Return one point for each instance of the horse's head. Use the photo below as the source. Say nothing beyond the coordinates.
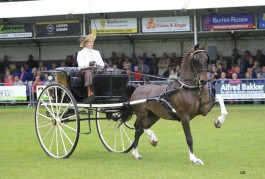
(195, 64)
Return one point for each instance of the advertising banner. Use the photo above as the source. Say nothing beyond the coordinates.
(114, 26)
(58, 28)
(228, 22)
(261, 21)
(166, 24)
(15, 30)
(13, 93)
(39, 89)
(240, 89)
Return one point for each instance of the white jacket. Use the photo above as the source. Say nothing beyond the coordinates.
(87, 55)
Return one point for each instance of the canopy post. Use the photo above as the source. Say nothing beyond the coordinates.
(195, 27)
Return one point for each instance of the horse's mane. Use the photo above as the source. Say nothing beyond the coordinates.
(188, 51)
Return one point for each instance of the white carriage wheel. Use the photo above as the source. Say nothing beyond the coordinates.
(116, 135)
(57, 121)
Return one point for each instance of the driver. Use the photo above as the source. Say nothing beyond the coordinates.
(88, 60)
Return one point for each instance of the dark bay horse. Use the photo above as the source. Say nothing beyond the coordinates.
(186, 97)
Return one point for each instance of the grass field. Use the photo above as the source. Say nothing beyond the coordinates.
(236, 150)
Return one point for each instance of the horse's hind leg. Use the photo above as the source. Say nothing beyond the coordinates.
(138, 132)
(189, 139)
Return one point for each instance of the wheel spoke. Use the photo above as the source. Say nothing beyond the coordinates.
(50, 102)
(68, 127)
(52, 140)
(47, 134)
(44, 116)
(126, 134)
(48, 124)
(45, 104)
(66, 135)
(62, 140)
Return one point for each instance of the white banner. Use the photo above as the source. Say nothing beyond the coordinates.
(114, 26)
(240, 89)
(13, 93)
(166, 24)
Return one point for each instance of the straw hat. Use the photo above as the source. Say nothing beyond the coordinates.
(87, 38)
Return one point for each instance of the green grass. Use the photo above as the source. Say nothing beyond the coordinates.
(238, 146)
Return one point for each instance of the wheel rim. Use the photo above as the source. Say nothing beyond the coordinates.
(116, 136)
(57, 126)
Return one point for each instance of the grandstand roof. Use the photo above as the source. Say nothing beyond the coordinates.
(61, 7)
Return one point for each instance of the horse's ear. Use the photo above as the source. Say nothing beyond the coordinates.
(197, 47)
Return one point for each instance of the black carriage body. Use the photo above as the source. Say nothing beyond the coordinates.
(106, 87)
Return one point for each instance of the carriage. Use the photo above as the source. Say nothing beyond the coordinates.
(61, 108)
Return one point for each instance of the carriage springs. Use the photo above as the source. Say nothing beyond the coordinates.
(243, 87)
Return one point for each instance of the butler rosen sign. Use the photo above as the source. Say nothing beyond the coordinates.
(241, 89)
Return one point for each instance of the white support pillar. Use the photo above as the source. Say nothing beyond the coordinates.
(195, 28)
(84, 25)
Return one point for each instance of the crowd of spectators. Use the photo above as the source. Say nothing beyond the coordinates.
(240, 66)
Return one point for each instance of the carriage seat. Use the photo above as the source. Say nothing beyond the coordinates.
(74, 75)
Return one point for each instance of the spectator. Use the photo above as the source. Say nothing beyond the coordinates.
(262, 71)
(238, 72)
(114, 58)
(17, 81)
(28, 68)
(9, 81)
(174, 61)
(54, 66)
(214, 74)
(134, 59)
(220, 69)
(260, 58)
(172, 74)
(62, 64)
(24, 76)
(249, 58)
(39, 73)
(13, 69)
(42, 67)
(235, 55)
(33, 74)
(137, 75)
(163, 65)
(5, 62)
(143, 69)
(234, 80)
(6, 74)
(154, 62)
(250, 73)
(223, 77)
(31, 62)
(149, 62)
(36, 83)
(256, 69)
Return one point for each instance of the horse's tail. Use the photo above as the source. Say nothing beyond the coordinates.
(127, 110)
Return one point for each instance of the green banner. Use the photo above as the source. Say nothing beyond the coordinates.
(16, 30)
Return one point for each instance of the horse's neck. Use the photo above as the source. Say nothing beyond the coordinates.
(186, 73)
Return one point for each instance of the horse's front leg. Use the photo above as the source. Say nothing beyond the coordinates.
(221, 119)
(186, 128)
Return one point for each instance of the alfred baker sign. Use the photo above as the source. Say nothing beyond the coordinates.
(240, 89)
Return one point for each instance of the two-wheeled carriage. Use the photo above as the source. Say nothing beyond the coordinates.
(61, 107)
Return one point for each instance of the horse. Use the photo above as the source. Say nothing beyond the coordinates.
(182, 100)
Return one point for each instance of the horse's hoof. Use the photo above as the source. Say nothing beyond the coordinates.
(199, 162)
(217, 123)
(153, 143)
